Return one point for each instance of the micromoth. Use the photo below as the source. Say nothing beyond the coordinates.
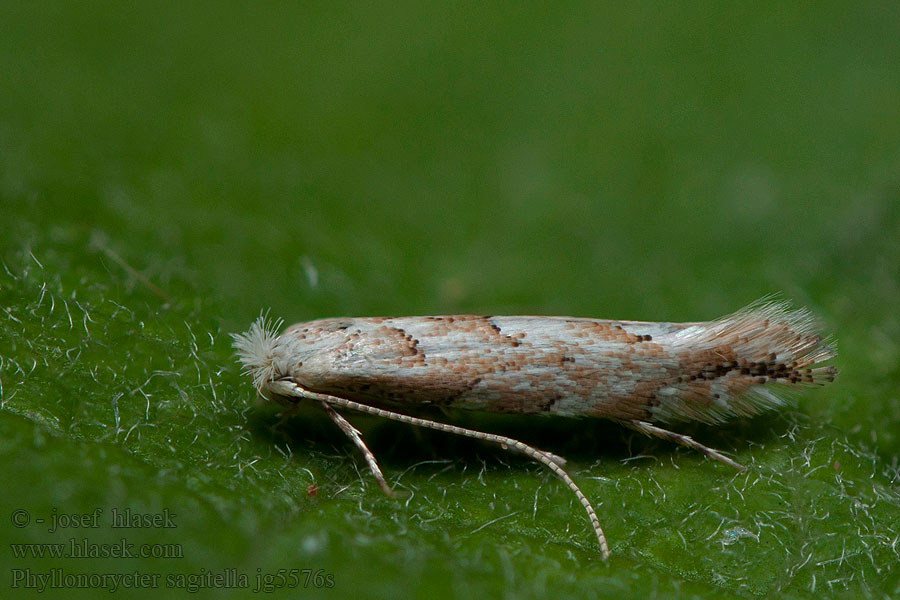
(640, 374)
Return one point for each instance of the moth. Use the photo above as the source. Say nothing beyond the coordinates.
(644, 375)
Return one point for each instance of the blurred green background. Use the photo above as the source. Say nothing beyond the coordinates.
(167, 170)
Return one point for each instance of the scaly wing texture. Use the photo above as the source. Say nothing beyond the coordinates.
(626, 370)
(744, 363)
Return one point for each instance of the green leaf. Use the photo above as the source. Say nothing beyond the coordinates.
(166, 173)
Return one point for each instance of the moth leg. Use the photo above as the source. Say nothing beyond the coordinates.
(354, 434)
(287, 387)
(685, 440)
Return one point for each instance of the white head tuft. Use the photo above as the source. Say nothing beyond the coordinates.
(256, 349)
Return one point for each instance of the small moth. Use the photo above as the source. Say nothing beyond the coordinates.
(640, 374)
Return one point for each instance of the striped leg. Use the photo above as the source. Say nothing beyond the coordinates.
(685, 440)
(353, 433)
(288, 388)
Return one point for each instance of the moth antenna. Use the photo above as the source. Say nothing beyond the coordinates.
(550, 461)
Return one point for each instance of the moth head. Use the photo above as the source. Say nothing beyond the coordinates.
(257, 349)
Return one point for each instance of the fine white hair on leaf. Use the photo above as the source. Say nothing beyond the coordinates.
(256, 349)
